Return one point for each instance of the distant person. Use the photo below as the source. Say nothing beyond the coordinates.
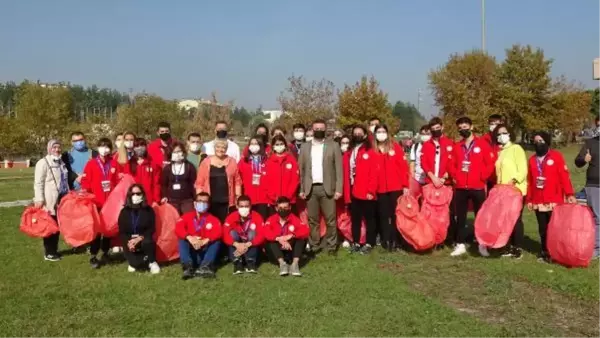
(221, 130)
(160, 148)
(177, 180)
(76, 159)
(136, 231)
(194, 146)
(50, 185)
(253, 173)
(299, 131)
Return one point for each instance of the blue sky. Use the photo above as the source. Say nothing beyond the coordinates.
(245, 50)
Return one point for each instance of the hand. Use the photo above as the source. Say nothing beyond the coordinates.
(164, 200)
(530, 206)
(285, 245)
(437, 182)
(588, 157)
(405, 191)
(38, 205)
(572, 200)
(369, 197)
(78, 179)
(154, 204)
(337, 196)
(121, 175)
(195, 242)
(203, 242)
(302, 195)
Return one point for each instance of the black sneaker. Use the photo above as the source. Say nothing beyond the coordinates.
(517, 253)
(52, 258)
(251, 267)
(366, 249)
(188, 273)
(205, 272)
(543, 258)
(238, 267)
(355, 248)
(94, 263)
(105, 259)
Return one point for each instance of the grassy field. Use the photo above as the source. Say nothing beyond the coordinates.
(382, 294)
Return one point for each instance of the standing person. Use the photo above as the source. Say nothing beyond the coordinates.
(177, 181)
(282, 173)
(100, 178)
(321, 184)
(511, 168)
(392, 183)
(493, 121)
(471, 165)
(309, 135)
(144, 172)
(76, 159)
(416, 170)
(337, 136)
(50, 184)
(136, 231)
(262, 133)
(160, 148)
(286, 238)
(548, 184)
(233, 150)
(435, 154)
(243, 234)
(218, 175)
(124, 152)
(344, 144)
(299, 131)
(118, 142)
(278, 130)
(589, 154)
(360, 188)
(373, 122)
(194, 146)
(199, 234)
(253, 175)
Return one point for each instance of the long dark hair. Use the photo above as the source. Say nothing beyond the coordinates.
(495, 133)
(366, 144)
(139, 142)
(387, 144)
(261, 152)
(129, 204)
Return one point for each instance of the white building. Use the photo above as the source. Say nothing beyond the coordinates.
(272, 115)
(188, 104)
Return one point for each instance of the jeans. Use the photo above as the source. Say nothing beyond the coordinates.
(593, 201)
(206, 256)
(250, 255)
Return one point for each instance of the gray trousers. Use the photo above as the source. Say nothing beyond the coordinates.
(319, 203)
(593, 201)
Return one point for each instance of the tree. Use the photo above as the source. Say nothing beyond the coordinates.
(570, 104)
(595, 102)
(364, 100)
(304, 102)
(408, 115)
(204, 120)
(242, 115)
(148, 110)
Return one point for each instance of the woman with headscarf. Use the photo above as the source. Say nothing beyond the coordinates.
(50, 184)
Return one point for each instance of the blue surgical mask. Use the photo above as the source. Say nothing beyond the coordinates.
(201, 207)
(79, 145)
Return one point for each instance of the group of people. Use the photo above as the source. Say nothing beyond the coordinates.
(239, 202)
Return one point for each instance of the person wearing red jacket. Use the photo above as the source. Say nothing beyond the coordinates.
(100, 177)
(243, 234)
(471, 165)
(392, 183)
(262, 133)
(144, 172)
(124, 151)
(286, 236)
(548, 185)
(199, 235)
(252, 168)
(360, 168)
(436, 155)
(159, 149)
(493, 121)
(283, 176)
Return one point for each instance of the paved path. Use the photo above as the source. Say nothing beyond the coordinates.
(20, 203)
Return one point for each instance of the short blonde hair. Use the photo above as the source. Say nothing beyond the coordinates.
(223, 143)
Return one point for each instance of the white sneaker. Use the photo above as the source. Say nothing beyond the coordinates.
(483, 251)
(346, 244)
(116, 249)
(154, 268)
(459, 249)
(307, 247)
(130, 269)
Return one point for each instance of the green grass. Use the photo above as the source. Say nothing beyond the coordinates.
(380, 295)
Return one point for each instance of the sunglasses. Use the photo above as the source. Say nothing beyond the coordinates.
(136, 194)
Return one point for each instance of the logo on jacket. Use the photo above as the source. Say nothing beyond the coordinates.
(366, 156)
(291, 228)
(477, 150)
(208, 226)
(550, 162)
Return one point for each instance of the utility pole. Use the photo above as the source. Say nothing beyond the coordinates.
(419, 100)
(483, 25)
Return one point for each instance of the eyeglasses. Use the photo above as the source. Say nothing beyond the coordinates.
(136, 194)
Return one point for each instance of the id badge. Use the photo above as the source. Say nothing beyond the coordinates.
(465, 166)
(176, 186)
(135, 236)
(540, 182)
(105, 186)
(255, 179)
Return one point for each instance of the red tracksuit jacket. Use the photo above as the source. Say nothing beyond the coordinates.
(148, 175)
(496, 149)
(293, 226)
(203, 226)
(233, 222)
(428, 154)
(159, 154)
(365, 175)
(246, 151)
(471, 167)
(96, 172)
(283, 177)
(557, 183)
(256, 192)
(393, 172)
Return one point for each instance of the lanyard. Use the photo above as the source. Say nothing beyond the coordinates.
(177, 173)
(540, 165)
(468, 150)
(246, 225)
(256, 161)
(104, 167)
(135, 221)
(199, 225)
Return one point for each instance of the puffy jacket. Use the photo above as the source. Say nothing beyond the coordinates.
(428, 155)
(257, 193)
(557, 184)
(292, 226)
(393, 172)
(96, 172)
(475, 174)
(233, 223)
(365, 174)
(148, 175)
(203, 226)
(283, 177)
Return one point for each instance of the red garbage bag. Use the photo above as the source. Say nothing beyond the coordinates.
(344, 224)
(436, 209)
(167, 246)
(415, 188)
(303, 214)
(571, 235)
(78, 218)
(37, 222)
(112, 208)
(412, 225)
(496, 219)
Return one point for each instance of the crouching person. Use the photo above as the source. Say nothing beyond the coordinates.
(243, 235)
(136, 231)
(286, 238)
(199, 235)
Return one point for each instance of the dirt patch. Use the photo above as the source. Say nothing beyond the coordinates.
(515, 303)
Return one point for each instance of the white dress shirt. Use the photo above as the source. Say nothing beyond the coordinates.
(316, 155)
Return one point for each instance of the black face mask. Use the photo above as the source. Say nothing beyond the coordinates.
(337, 139)
(358, 139)
(464, 133)
(165, 137)
(541, 149)
(319, 134)
(221, 134)
(284, 213)
(436, 133)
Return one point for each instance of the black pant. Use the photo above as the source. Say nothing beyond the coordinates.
(516, 238)
(136, 258)
(183, 206)
(263, 209)
(363, 210)
(51, 244)
(386, 207)
(461, 198)
(543, 219)
(219, 210)
(275, 253)
(100, 242)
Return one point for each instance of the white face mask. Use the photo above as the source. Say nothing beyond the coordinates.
(103, 151)
(254, 148)
(177, 157)
(372, 129)
(279, 149)
(136, 199)
(381, 137)
(344, 147)
(128, 144)
(118, 144)
(298, 135)
(503, 138)
(492, 127)
(309, 138)
(425, 138)
(194, 147)
(244, 211)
